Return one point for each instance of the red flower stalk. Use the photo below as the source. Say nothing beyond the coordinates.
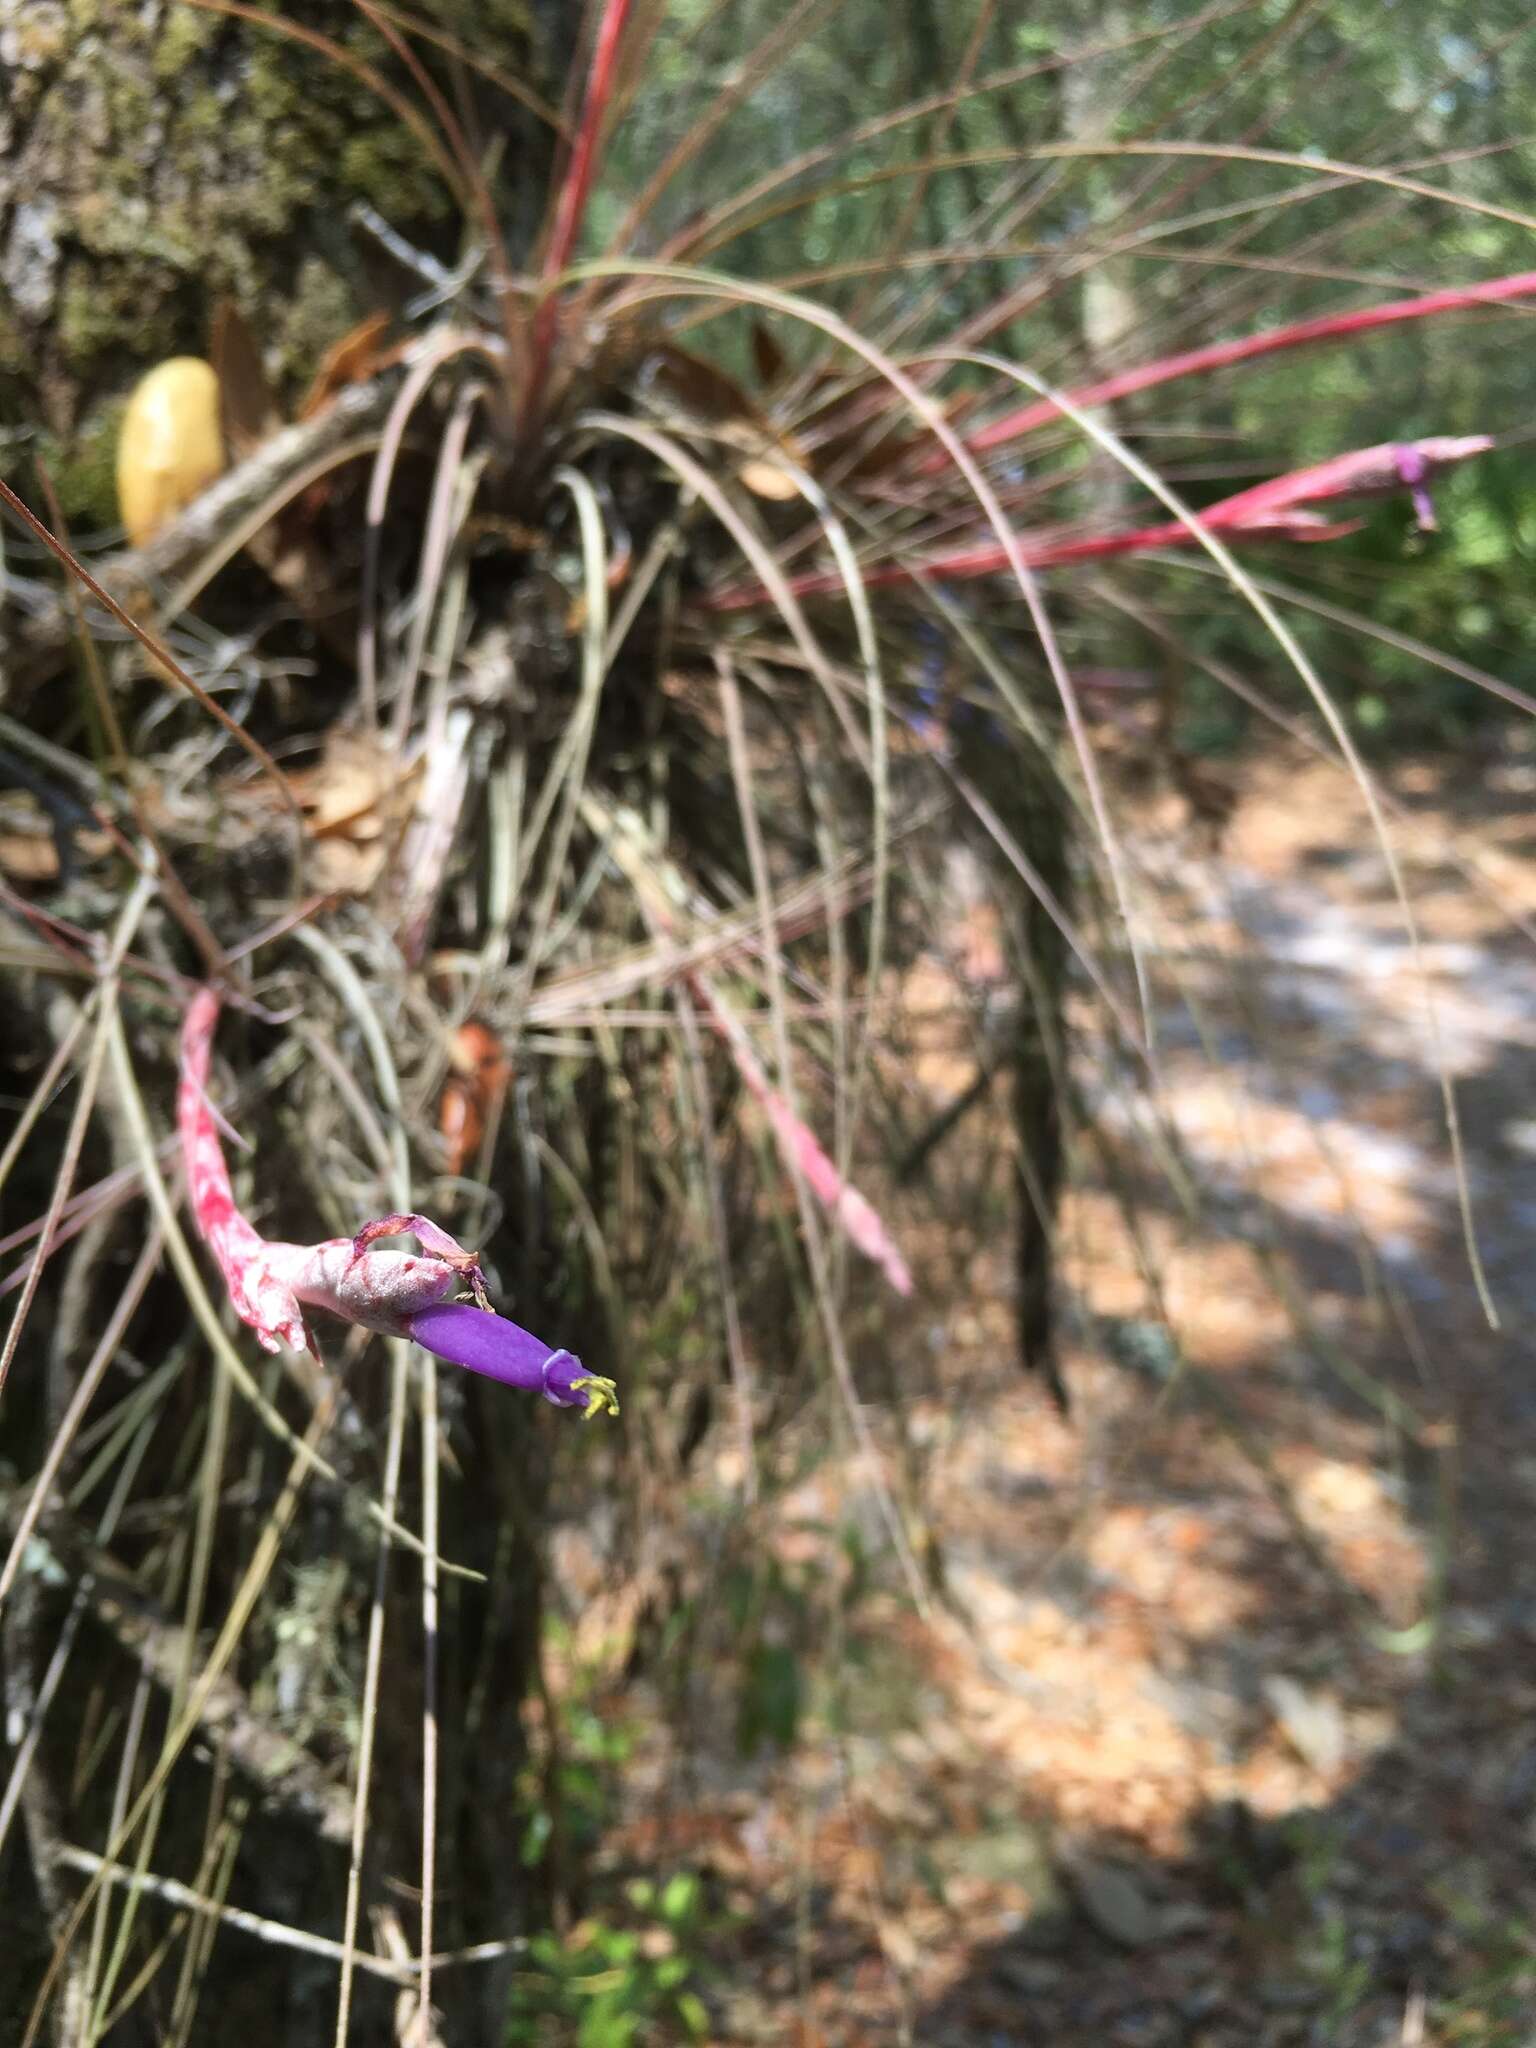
(1220, 355)
(398, 1294)
(1364, 473)
(800, 1147)
(1272, 511)
(572, 203)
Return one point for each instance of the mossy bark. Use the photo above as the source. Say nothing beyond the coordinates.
(155, 157)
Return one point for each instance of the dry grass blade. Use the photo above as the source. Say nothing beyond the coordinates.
(85, 1102)
(560, 796)
(741, 1369)
(354, 994)
(80, 1400)
(353, 1958)
(263, 1558)
(831, 1321)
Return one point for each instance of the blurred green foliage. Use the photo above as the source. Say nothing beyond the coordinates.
(613, 1982)
(1204, 248)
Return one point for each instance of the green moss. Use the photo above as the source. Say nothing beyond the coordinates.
(193, 156)
(98, 308)
(386, 166)
(84, 472)
(303, 326)
(14, 353)
(183, 38)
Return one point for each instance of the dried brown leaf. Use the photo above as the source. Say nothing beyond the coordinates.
(247, 408)
(359, 355)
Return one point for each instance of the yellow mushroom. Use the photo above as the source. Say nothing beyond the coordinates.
(170, 446)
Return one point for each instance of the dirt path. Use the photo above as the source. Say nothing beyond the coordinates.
(1226, 1734)
(1297, 1754)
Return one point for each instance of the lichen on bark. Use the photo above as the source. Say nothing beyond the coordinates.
(155, 156)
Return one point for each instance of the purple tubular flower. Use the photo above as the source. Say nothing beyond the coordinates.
(501, 1350)
(1414, 471)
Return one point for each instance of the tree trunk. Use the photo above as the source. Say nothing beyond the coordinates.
(155, 158)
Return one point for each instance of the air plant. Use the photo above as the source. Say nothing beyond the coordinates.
(397, 1294)
(686, 539)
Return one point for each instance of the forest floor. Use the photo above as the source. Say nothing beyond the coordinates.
(1223, 1727)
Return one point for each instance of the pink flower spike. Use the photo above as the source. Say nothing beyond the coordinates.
(1267, 511)
(271, 1283)
(798, 1144)
(261, 1297)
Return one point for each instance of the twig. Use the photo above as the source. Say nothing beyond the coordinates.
(274, 1931)
(277, 1932)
